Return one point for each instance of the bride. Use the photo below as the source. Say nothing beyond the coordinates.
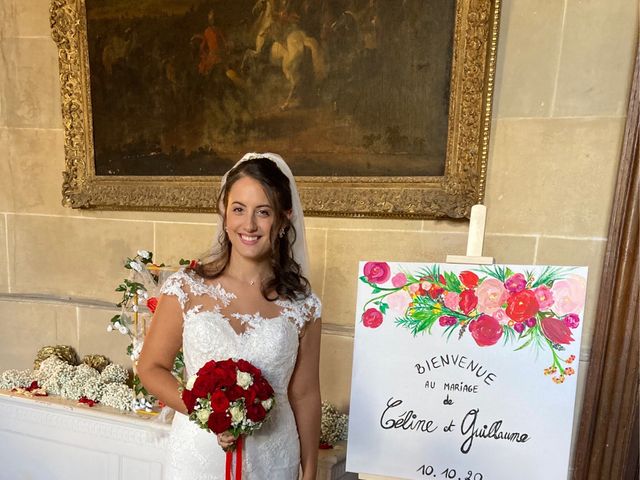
(249, 299)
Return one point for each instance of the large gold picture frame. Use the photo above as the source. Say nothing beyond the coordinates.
(451, 194)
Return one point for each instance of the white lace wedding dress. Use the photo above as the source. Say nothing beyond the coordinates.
(271, 344)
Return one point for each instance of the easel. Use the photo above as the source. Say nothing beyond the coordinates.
(475, 243)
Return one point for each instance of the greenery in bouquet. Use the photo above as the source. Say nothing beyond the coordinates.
(490, 303)
(140, 292)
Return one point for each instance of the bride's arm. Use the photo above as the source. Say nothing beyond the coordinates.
(304, 395)
(161, 345)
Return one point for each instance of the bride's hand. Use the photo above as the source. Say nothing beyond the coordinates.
(226, 440)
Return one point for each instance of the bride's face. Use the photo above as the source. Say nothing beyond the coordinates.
(249, 218)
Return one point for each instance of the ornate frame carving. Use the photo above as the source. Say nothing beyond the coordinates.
(450, 195)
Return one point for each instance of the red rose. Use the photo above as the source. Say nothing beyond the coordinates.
(204, 384)
(225, 377)
(189, 399)
(522, 305)
(250, 395)
(485, 330)
(556, 331)
(263, 389)
(377, 272)
(234, 392)
(245, 366)
(372, 318)
(468, 301)
(468, 279)
(256, 413)
(207, 367)
(219, 401)
(219, 422)
(193, 264)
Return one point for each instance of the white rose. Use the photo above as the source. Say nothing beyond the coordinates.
(244, 379)
(136, 266)
(203, 415)
(237, 414)
(191, 382)
(144, 254)
(267, 404)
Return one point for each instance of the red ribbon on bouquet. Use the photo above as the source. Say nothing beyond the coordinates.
(238, 451)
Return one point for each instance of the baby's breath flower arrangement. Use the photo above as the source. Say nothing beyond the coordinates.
(140, 292)
(11, 379)
(333, 427)
(118, 396)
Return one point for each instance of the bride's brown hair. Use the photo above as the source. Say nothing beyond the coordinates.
(287, 281)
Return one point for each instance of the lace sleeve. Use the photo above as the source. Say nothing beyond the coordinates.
(175, 285)
(304, 310)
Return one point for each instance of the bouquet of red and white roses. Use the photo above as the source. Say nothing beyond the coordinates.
(229, 395)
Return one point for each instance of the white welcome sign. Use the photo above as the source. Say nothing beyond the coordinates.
(465, 372)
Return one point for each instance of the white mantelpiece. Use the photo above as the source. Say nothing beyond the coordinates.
(49, 438)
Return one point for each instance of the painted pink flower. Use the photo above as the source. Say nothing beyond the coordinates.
(468, 301)
(399, 280)
(399, 301)
(572, 320)
(491, 295)
(372, 318)
(519, 327)
(516, 283)
(485, 330)
(377, 272)
(451, 300)
(447, 320)
(501, 316)
(544, 296)
(556, 331)
(413, 288)
(569, 295)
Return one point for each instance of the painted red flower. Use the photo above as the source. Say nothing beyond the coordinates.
(522, 305)
(372, 318)
(152, 304)
(377, 272)
(556, 331)
(219, 422)
(435, 291)
(468, 301)
(219, 401)
(485, 330)
(468, 279)
(193, 264)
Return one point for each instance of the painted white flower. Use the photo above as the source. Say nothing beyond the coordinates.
(144, 254)
(191, 382)
(267, 404)
(109, 328)
(237, 414)
(203, 415)
(244, 379)
(135, 308)
(136, 266)
(123, 330)
(142, 293)
(116, 324)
